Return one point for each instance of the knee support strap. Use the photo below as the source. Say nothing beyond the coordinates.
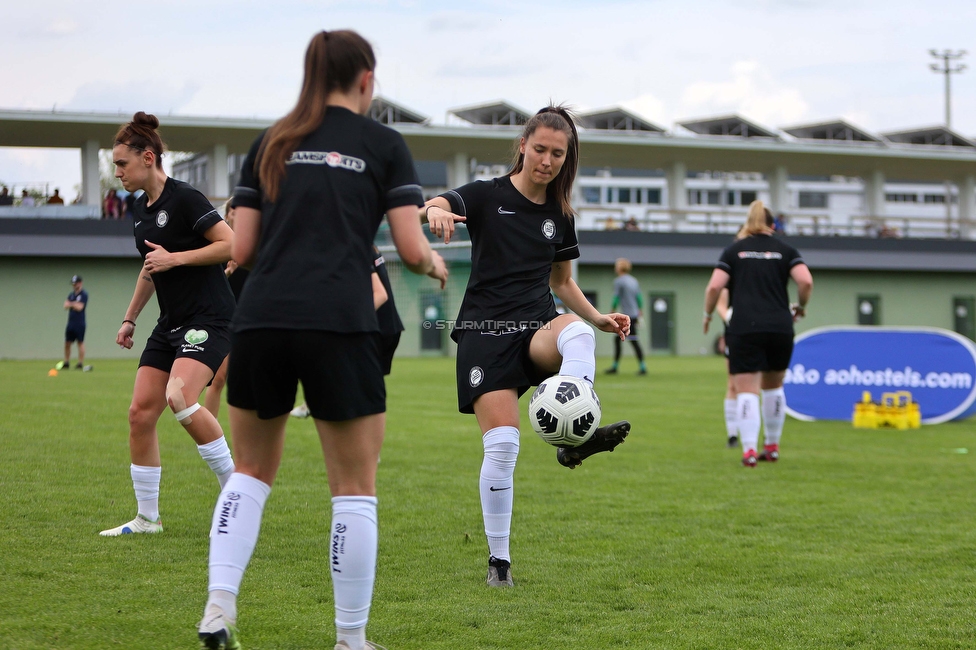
(183, 417)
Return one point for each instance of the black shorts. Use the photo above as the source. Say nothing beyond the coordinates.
(387, 348)
(207, 343)
(759, 351)
(633, 336)
(74, 333)
(490, 361)
(341, 374)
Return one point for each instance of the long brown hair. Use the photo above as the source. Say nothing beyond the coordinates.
(557, 118)
(141, 134)
(333, 61)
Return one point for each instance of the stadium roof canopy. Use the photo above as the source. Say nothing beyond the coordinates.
(72, 130)
(389, 112)
(934, 135)
(728, 125)
(834, 131)
(499, 113)
(600, 148)
(618, 119)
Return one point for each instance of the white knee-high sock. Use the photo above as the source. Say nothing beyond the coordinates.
(577, 344)
(773, 414)
(731, 426)
(352, 552)
(497, 486)
(749, 420)
(233, 535)
(217, 456)
(145, 482)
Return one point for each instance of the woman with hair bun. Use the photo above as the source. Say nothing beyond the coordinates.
(184, 243)
(508, 332)
(312, 193)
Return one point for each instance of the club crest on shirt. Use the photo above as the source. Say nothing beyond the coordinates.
(476, 376)
(549, 228)
(162, 218)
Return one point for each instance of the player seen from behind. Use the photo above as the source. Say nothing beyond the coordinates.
(508, 332)
(757, 269)
(312, 193)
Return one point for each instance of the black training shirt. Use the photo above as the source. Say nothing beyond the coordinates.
(315, 252)
(389, 319)
(514, 243)
(759, 268)
(177, 221)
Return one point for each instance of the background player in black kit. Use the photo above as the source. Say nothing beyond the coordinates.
(756, 269)
(508, 332)
(236, 277)
(386, 313)
(312, 193)
(183, 242)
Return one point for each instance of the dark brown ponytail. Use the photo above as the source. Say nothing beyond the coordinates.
(141, 134)
(333, 61)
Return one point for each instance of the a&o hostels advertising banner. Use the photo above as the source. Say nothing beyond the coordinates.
(832, 366)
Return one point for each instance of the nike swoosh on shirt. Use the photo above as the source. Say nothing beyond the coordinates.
(137, 223)
(501, 210)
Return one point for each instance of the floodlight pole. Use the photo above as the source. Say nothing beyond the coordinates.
(947, 69)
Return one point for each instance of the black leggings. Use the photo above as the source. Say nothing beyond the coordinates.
(637, 349)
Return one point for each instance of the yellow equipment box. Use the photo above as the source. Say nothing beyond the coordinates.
(894, 411)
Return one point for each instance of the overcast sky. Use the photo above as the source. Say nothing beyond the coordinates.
(778, 62)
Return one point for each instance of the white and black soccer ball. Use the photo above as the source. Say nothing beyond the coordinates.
(565, 411)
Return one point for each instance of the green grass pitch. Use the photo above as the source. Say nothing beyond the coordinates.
(855, 539)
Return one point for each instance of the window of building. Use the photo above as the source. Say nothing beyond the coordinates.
(623, 195)
(746, 197)
(591, 194)
(901, 198)
(654, 196)
(934, 198)
(714, 197)
(813, 199)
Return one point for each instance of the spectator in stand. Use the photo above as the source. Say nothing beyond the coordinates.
(611, 224)
(127, 203)
(632, 225)
(5, 198)
(779, 224)
(26, 199)
(111, 206)
(887, 233)
(55, 199)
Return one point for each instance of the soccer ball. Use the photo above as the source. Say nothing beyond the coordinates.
(564, 411)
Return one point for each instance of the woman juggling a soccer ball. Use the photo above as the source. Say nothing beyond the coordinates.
(508, 332)
(184, 243)
(312, 193)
